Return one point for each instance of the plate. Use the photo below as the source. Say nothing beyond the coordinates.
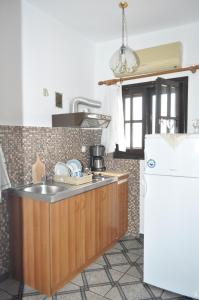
(76, 164)
(75, 167)
(61, 169)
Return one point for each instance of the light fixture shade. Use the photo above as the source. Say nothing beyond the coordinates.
(124, 62)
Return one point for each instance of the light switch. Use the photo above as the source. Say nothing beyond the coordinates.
(83, 149)
(58, 100)
(45, 92)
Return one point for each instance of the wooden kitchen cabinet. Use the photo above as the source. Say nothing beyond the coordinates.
(82, 228)
(122, 203)
(30, 242)
(58, 240)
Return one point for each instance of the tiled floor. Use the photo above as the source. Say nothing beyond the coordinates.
(117, 275)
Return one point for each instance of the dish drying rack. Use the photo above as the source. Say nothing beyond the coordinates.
(73, 180)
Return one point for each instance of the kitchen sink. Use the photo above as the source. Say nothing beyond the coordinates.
(99, 178)
(52, 191)
(44, 189)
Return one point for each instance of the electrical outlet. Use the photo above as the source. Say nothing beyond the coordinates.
(83, 149)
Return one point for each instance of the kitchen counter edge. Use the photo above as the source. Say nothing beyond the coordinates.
(69, 192)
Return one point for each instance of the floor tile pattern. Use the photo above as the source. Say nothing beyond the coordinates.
(117, 275)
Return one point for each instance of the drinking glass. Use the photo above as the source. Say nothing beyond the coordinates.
(195, 124)
(171, 125)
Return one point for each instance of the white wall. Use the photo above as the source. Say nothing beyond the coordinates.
(186, 34)
(37, 52)
(10, 63)
(53, 58)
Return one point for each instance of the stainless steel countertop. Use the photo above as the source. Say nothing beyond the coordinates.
(69, 190)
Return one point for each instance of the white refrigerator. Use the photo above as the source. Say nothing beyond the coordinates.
(171, 213)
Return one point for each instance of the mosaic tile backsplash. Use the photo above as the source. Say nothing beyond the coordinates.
(20, 145)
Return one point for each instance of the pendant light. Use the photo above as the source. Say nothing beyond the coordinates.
(124, 61)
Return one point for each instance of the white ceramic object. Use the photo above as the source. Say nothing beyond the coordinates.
(195, 124)
(75, 167)
(61, 169)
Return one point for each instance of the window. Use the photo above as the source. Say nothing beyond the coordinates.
(153, 107)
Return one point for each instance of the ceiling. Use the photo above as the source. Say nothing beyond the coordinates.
(100, 20)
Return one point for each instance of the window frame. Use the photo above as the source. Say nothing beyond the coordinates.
(131, 121)
(147, 89)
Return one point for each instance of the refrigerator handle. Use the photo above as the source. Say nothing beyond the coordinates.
(145, 186)
(145, 159)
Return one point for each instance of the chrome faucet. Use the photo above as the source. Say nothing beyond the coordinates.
(43, 179)
(46, 179)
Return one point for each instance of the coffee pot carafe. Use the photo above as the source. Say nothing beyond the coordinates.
(96, 158)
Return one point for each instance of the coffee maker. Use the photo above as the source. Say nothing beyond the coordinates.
(96, 158)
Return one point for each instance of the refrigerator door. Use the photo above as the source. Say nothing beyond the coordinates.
(187, 156)
(171, 243)
(175, 155)
(159, 156)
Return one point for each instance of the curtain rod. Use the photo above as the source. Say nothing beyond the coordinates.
(193, 69)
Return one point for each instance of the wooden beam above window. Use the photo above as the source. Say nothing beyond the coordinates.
(192, 69)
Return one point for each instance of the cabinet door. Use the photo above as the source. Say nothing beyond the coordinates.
(65, 233)
(105, 216)
(81, 228)
(90, 225)
(122, 206)
(35, 241)
(72, 236)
